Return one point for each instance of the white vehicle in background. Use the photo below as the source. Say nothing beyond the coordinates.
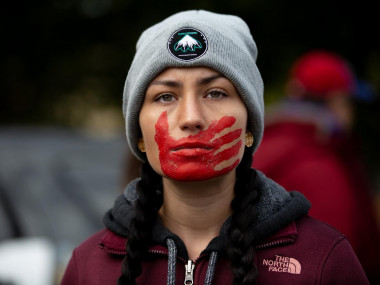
(27, 261)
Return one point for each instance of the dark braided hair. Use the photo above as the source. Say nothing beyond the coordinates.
(146, 208)
(240, 250)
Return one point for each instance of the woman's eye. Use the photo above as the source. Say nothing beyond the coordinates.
(165, 98)
(215, 94)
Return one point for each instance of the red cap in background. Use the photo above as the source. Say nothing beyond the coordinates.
(321, 74)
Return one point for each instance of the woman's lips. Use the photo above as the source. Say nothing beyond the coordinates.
(191, 149)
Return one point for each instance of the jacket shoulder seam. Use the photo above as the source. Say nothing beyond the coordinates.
(328, 253)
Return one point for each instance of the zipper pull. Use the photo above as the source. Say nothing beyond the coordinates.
(189, 273)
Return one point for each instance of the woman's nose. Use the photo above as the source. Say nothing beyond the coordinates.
(191, 115)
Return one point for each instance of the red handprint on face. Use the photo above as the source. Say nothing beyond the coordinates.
(196, 157)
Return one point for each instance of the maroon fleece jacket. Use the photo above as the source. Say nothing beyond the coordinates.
(304, 252)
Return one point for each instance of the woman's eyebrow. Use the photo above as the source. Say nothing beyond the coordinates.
(207, 80)
(168, 83)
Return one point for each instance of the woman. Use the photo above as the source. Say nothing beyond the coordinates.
(193, 103)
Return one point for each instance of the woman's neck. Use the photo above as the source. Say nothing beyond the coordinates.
(196, 211)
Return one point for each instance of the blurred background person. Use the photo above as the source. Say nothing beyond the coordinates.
(309, 146)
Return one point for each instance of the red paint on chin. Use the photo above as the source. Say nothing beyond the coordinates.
(193, 158)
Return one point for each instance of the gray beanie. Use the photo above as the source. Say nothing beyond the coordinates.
(195, 38)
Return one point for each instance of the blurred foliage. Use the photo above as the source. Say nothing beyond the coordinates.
(64, 58)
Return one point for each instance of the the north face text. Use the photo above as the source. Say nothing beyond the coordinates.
(283, 264)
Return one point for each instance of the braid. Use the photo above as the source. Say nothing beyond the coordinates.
(241, 249)
(146, 208)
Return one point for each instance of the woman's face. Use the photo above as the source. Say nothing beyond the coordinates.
(193, 122)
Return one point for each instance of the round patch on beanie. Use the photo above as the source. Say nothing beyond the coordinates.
(187, 44)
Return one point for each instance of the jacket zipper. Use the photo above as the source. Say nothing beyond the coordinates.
(157, 251)
(189, 268)
(110, 251)
(189, 273)
(275, 243)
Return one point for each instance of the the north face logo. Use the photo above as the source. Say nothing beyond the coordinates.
(187, 44)
(283, 264)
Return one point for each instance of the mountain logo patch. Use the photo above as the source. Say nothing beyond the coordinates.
(187, 44)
